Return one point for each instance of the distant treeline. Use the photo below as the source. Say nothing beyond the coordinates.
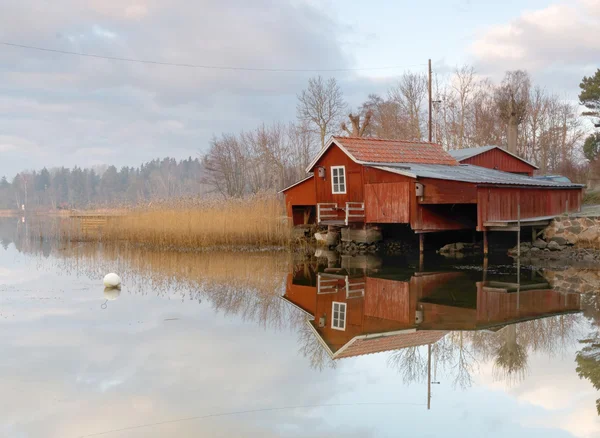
(105, 185)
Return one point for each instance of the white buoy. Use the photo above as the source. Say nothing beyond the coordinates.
(112, 280)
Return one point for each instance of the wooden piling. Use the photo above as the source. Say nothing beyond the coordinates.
(485, 243)
(421, 243)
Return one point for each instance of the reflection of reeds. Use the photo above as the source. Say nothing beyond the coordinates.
(257, 221)
(248, 284)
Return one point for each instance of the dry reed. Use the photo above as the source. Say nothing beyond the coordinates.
(257, 221)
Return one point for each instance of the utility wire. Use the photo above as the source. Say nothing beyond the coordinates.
(202, 66)
(224, 414)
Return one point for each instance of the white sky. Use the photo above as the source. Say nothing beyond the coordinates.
(63, 110)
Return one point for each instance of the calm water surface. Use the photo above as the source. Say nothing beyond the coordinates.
(265, 345)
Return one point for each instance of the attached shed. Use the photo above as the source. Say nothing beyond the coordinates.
(301, 201)
(494, 157)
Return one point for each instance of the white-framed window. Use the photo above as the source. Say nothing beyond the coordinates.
(338, 316)
(338, 179)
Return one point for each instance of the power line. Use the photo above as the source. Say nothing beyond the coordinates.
(203, 66)
(224, 414)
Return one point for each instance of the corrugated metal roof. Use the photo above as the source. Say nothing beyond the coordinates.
(464, 154)
(471, 174)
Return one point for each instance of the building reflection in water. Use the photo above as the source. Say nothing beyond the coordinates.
(361, 307)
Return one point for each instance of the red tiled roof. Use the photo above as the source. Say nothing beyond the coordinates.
(375, 150)
(395, 342)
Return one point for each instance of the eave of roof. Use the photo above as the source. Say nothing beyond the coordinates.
(465, 154)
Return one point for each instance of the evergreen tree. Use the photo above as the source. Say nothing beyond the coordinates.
(590, 96)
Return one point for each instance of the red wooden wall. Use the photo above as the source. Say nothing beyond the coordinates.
(498, 306)
(301, 194)
(500, 160)
(388, 299)
(354, 179)
(500, 204)
(388, 202)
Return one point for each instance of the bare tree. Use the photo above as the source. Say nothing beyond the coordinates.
(512, 99)
(410, 95)
(226, 165)
(321, 106)
(358, 128)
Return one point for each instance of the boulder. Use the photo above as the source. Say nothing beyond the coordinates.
(554, 246)
(540, 244)
(590, 235)
(559, 239)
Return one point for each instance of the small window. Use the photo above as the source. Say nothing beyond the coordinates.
(338, 319)
(338, 179)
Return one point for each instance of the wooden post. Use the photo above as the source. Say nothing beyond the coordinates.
(518, 231)
(485, 268)
(421, 243)
(485, 243)
(428, 376)
(430, 124)
(533, 234)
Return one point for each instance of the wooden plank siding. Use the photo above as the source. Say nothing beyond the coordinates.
(500, 203)
(500, 160)
(498, 306)
(302, 194)
(388, 299)
(388, 202)
(437, 191)
(354, 178)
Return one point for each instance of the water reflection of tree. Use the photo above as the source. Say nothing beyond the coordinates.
(588, 358)
(411, 363)
(311, 348)
(458, 354)
(588, 362)
(511, 357)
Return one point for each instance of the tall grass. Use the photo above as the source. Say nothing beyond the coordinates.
(257, 221)
(591, 197)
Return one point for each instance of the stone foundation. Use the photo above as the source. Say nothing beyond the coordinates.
(573, 280)
(583, 232)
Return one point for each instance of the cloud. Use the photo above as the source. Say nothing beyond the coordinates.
(67, 103)
(553, 42)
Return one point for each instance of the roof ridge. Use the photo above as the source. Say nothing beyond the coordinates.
(386, 139)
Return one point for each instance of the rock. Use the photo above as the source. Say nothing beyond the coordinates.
(559, 239)
(571, 238)
(589, 258)
(540, 244)
(459, 246)
(575, 229)
(554, 246)
(447, 248)
(534, 249)
(525, 245)
(590, 235)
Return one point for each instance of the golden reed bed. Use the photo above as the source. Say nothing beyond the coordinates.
(258, 221)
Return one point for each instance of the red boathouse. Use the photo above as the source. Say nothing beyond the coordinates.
(358, 181)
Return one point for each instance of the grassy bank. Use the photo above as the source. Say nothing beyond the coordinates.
(591, 198)
(258, 221)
